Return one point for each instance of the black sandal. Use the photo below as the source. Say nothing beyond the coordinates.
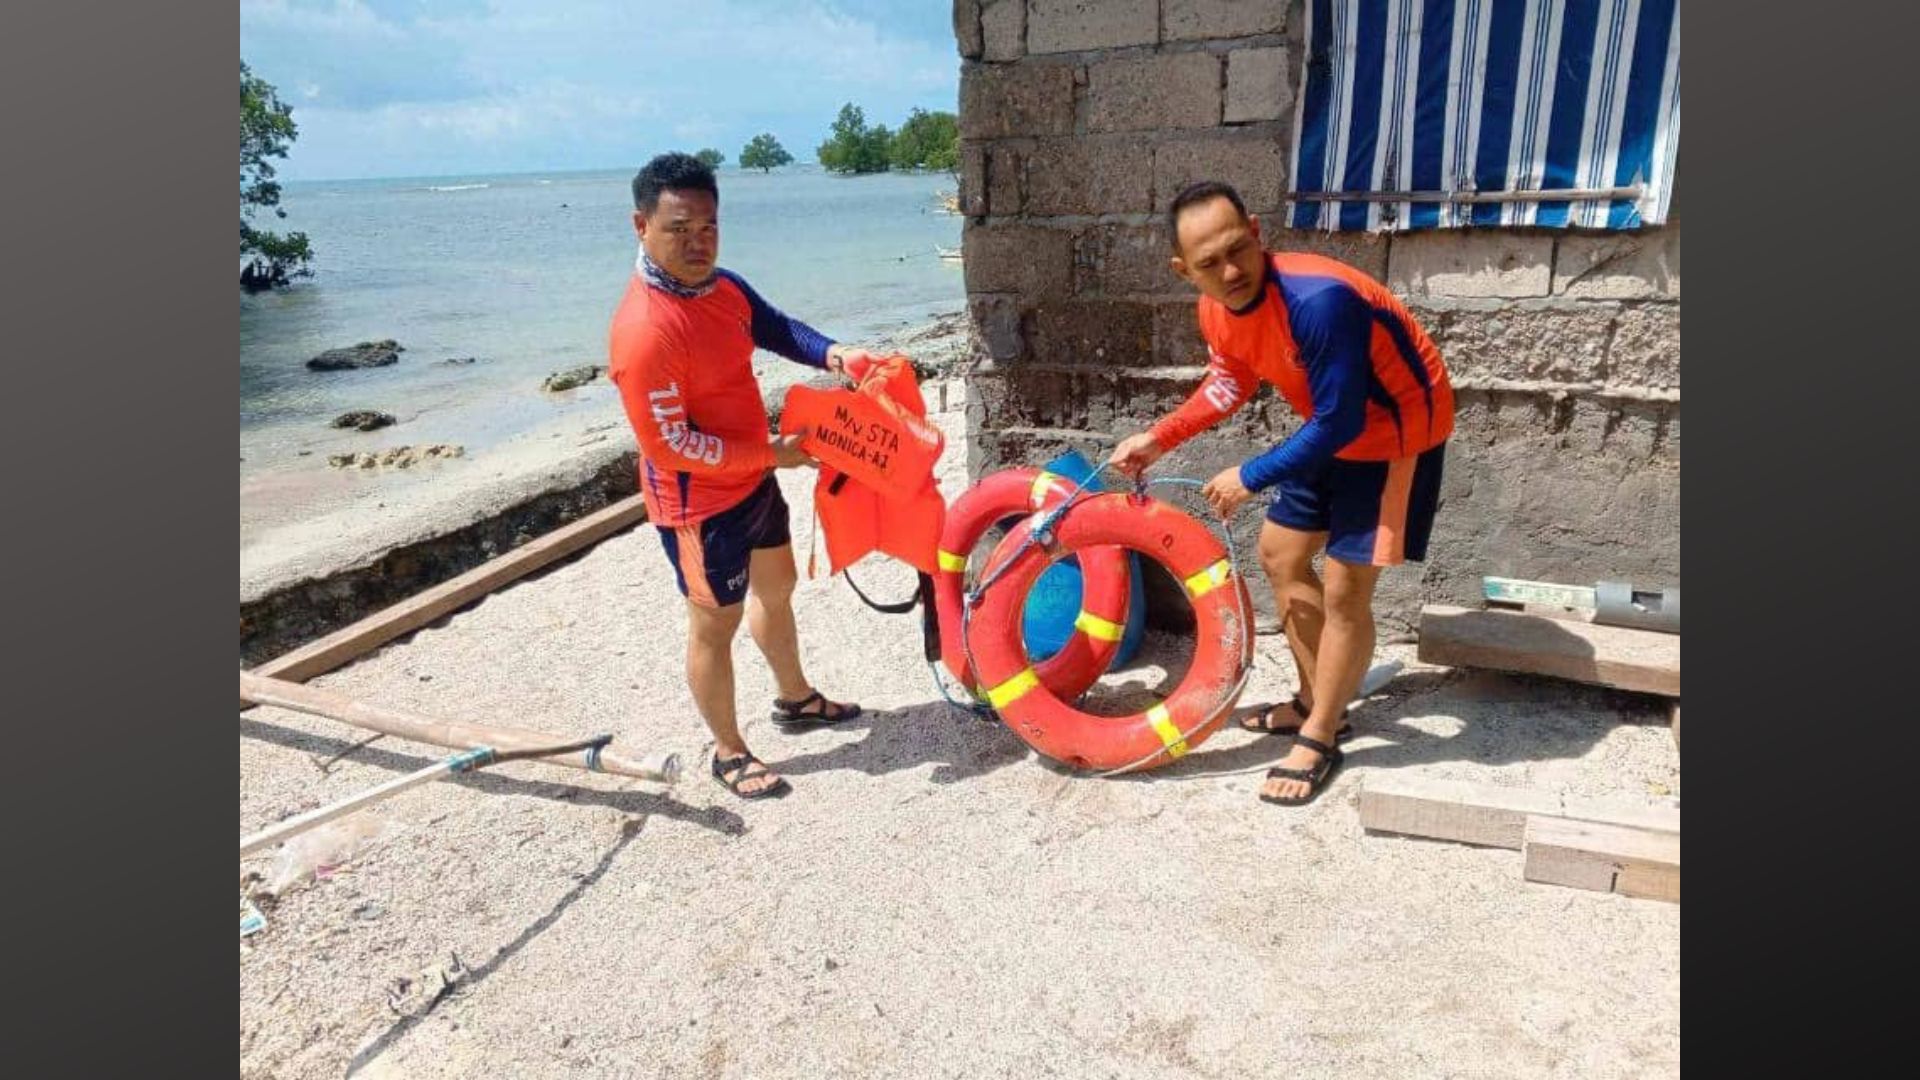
(742, 765)
(792, 715)
(1316, 777)
(1261, 727)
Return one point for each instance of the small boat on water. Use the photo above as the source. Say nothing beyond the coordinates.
(947, 254)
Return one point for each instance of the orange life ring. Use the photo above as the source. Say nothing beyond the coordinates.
(1104, 576)
(1223, 649)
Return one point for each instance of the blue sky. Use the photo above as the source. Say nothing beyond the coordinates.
(444, 87)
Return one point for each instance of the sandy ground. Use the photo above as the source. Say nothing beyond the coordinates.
(933, 899)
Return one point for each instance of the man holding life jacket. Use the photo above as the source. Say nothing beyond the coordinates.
(1359, 480)
(681, 353)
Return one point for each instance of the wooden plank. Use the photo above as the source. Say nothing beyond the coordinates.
(1457, 810)
(1604, 858)
(336, 649)
(456, 734)
(1648, 817)
(1615, 656)
(1546, 611)
(1489, 815)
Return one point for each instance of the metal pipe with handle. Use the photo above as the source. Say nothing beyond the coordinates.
(465, 761)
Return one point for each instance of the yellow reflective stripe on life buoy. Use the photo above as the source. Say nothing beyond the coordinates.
(952, 563)
(1209, 579)
(1038, 494)
(1013, 689)
(1096, 627)
(1163, 726)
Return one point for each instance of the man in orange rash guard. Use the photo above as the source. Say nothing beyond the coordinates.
(1360, 479)
(680, 352)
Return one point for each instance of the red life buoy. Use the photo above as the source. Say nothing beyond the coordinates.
(1223, 640)
(1103, 575)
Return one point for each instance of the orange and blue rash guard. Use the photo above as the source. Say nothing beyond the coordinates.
(1342, 350)
(682, 359)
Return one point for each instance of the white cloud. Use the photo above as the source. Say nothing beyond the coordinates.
(550, 108)
(337, 18)
(543, 84)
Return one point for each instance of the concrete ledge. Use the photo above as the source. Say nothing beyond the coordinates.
(280, 615)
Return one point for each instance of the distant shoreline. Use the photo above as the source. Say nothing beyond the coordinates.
(731, 168)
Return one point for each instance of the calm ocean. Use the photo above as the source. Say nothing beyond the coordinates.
(523, 272)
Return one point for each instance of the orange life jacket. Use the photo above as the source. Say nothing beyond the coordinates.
(877, 452)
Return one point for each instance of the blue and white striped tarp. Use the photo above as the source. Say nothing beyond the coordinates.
(1483, 96)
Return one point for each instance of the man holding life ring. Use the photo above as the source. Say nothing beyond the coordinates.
(1359, 480)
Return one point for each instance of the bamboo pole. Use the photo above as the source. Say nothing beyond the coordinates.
(259, 690)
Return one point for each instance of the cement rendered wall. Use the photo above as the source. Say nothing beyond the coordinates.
(1079, 121)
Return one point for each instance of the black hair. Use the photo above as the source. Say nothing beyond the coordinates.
(1194, 194)
(680, 172)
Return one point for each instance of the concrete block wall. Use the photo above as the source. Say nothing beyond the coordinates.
(1081, 119)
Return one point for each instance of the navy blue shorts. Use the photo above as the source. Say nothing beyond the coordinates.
(1375, 513)
(710, 557)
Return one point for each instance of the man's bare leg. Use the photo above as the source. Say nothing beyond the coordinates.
(771, 579)
(710, 633)
(1287, 557)
(1346, 647)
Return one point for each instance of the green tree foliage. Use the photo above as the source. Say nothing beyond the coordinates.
(764, 152)
(928, 140)
(875, 148)
(266, 131)
(711, 158)
(854, 147)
